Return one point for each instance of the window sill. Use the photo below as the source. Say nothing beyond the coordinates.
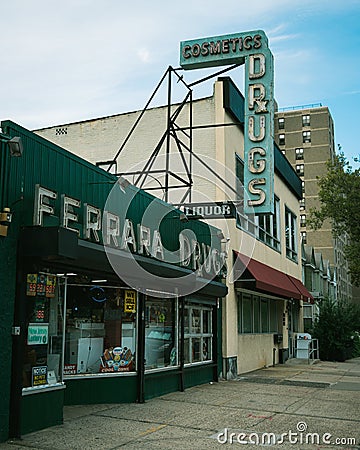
(41, 389)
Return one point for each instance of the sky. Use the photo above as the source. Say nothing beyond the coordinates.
(75, 60)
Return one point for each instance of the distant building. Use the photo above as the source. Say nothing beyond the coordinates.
(305, 134)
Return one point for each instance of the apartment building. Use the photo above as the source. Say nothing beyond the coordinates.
(305, 135)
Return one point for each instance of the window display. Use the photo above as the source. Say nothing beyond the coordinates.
(44, 331)
(100, 330)
(160, 331)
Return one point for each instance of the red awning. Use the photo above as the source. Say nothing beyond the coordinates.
(306, 296)
(268, 279)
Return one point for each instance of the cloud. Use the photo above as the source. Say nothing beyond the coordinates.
(144, 55)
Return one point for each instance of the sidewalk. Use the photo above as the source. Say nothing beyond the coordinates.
(322, 399)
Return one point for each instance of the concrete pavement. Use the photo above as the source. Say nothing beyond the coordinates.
(291, 406)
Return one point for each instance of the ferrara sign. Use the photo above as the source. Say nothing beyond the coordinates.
(250, 48)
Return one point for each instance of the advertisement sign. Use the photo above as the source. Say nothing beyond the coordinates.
(252, 49)
(31, 280)
(38, 334)
(39, 376)
(70, 369)
(130, 301)
(211, 210)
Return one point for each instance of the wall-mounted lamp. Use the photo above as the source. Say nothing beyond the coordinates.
(16, 147)
(5, 220)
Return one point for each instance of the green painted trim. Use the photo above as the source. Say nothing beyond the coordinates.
(89, 391)
(161, 383)
(196, 375)
(41, 410)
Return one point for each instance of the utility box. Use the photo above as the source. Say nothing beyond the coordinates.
(303, 341)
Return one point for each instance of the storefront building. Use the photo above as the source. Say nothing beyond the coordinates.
(263, 310)
(116, 299)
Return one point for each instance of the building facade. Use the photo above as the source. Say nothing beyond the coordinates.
(263, 308)
(98, 306)
(305, 134)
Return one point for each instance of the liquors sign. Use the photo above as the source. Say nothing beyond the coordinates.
(252, 49)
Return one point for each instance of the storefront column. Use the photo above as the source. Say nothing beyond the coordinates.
(17, 357)
(182, 342)
(215, 328)
(141, 349)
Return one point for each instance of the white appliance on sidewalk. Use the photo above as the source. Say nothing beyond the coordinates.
(303, 341)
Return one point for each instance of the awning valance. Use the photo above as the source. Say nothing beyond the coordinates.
(267, 279)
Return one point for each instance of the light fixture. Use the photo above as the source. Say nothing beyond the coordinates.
(16, 147)
(99, 281)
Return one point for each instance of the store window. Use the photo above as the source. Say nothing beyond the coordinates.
(161, 345)
(100, 329)
(44, 331)
(197, 334)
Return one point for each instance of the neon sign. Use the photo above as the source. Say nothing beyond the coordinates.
(252, 49)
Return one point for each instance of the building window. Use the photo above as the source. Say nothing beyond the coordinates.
(283, 152)
(290, 235)
(303, 237)
(302, 204)
(302, 220)
(269, 227)
(299, 153)
(198, 334)
(257, 314)
(244, 222)
(281, 139)
(300, 169)
(281, 123)
(306, 120)
(306, 137)
(303, 186)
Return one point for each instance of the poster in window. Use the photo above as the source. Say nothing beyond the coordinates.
(38, 334)
(130, 301)
(50, 286)
(41, 284)
(31, 281)
(39, 376)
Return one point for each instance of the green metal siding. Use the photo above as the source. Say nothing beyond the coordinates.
(101, 390)
(42, 410)
(7, 283)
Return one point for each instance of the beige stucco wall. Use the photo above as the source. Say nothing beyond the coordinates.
(256, 351)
